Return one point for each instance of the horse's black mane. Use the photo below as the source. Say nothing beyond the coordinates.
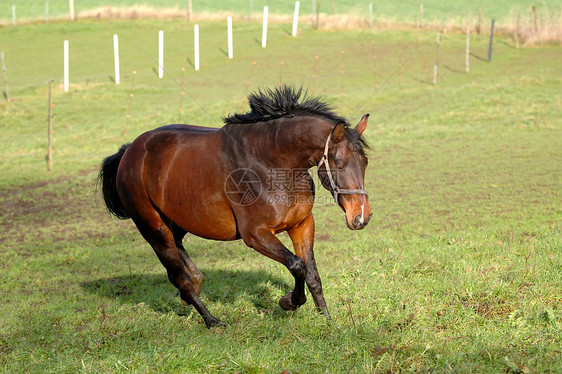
(269, 104)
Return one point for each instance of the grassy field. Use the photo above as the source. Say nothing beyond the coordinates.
(404, 11)
(460, 269)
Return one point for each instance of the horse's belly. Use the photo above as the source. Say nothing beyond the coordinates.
(217, 228)
(210, 219)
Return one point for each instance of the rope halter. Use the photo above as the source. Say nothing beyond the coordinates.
(336, 191)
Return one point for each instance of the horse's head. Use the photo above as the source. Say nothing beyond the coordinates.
(342, 172)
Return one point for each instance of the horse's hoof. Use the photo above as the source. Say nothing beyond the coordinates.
(286, 302)
(215, 322)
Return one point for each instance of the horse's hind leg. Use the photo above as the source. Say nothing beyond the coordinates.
(181, 271)
(192, 270)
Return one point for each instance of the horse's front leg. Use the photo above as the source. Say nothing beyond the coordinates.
(265, 242)
(302, 236)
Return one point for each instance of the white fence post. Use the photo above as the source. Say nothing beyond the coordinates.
(196, 45)
(230, 47)
(161, 54)
(264, 30)
(296, 18)
(66, 66)
(71, 8)
(116, 54)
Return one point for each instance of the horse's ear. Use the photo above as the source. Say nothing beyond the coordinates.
(338, 132)
(362, 125)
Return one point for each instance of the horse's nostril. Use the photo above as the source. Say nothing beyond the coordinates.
(357, 221)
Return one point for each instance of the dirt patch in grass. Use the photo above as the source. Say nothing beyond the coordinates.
(486, 305)
(58, 210)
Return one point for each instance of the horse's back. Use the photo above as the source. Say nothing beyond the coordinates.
(195, 142)
(187, 128)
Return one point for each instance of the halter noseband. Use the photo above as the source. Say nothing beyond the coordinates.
(335, 189)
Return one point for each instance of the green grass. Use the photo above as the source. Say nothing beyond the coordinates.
(404, 11)
(458, 271)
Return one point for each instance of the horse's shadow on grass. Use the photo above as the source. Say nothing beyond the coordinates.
(222, 286)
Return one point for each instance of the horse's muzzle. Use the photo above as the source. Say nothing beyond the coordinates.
(359, 222)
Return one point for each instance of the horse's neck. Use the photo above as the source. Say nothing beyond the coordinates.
(289, 142)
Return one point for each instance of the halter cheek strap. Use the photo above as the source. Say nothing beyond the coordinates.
(336, 191)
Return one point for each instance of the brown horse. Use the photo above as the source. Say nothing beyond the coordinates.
(248, 180)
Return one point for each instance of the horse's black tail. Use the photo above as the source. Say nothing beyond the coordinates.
(107, 181)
